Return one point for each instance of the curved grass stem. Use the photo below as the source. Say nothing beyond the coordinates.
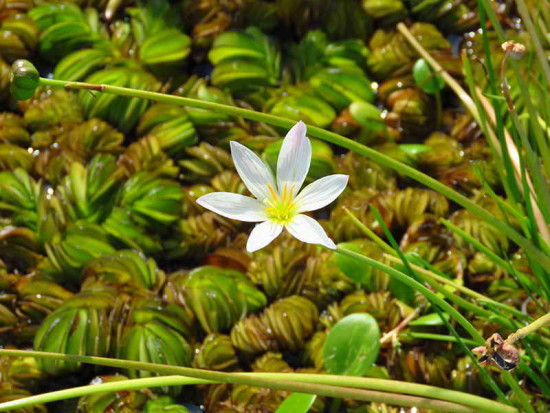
(359, 388)
(319, 133)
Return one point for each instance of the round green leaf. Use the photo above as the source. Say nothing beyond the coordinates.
(367, 115)
(432, 319)
(352, 345)
(429, 81)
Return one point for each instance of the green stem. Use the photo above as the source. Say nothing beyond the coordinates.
(296, 381)
(323, 390)
(321, 134)
(531, 328)
(418, 287)
(135, 384)
(438, 337)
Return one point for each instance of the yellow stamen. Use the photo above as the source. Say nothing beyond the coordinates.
(281, 208)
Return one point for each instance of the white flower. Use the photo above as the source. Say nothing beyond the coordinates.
(278, 204)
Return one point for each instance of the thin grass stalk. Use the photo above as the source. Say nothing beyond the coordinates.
(320, 133)
(266, 379)
(319, 389)
(511, 149)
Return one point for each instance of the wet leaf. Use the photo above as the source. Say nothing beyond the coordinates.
(352, 345)
(429, 81)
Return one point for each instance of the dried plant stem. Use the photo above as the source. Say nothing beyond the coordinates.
(391, 335)
(531, 328)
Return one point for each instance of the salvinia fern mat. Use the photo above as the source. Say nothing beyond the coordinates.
(264, 237)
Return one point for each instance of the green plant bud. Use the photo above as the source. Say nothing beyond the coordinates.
(8, 319)
(164, 404)
(359, 201)
(124, 268)
(271, 362)
(313, 351)
(485, 233)
(39, 297)
(216, 353)
(199, 234)
(155, 342)
(80, 243)
(207, 160)
(367, 115)
(365, 173)
(88, 193)
(342, 87)
(389, 11)
(92, 136)
(64, 28)
(75, 327)
(24, 79)
(19, 194)
(82, 63)
(228, 181)
(244, 60)
(389, 312)
(292, 321)
(169, 46)
(151, 201)
(14, 157)
(12, 130)
(307, 108)
(252, 336)
(147, 155)
(5, 76)
(280, 269)
(481, 264)
(20, 249)
(120, 226)
(413, 203)
(120, 401)
(220, 297)
(50, 108)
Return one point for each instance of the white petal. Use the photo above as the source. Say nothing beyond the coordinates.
(294, 159)
(234, 206)
(321, 192)
(255, 174)
(308, 230)
(263, 234)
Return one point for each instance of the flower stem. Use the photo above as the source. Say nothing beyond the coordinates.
(531, 328)
(320, 133)
(436, 299)
(359, 388)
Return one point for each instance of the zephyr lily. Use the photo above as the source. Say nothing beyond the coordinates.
(278, 203)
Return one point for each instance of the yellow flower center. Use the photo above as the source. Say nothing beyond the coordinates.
(281, 209)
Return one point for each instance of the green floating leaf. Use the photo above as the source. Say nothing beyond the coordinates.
(297, 403)
(367, 115)
(352, 345)
(432, 319)
(429, 81)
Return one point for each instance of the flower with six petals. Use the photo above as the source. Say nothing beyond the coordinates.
(278, 203)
